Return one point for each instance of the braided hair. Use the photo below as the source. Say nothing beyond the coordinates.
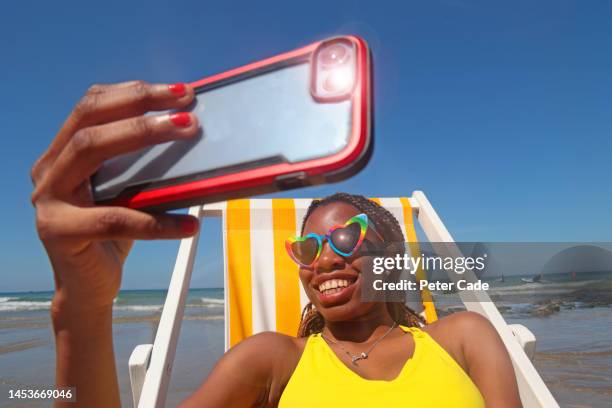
(388, 227)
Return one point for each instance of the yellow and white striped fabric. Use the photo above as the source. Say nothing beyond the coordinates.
(263, 290)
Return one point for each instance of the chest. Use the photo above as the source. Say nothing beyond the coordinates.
(383, 361)
(394, 374)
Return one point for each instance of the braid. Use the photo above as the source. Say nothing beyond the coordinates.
(312, 321)
(388, 227)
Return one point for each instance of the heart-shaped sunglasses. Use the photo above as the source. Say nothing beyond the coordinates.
(343, 240)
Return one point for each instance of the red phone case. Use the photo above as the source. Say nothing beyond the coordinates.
(280, 176)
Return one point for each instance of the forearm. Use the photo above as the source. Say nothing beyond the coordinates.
(87, 244)
(84, 356)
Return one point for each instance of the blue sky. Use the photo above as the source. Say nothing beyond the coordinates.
(500, 112)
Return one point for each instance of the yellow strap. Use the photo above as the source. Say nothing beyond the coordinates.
(286, 272)
(238, 223)
(413, 243)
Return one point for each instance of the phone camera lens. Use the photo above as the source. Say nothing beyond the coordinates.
(338, 80)
(334, 55)
(334, 73)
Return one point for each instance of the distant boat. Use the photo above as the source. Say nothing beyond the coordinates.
(535, 279)
(501, 278)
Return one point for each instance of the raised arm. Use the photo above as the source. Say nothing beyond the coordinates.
(87, 244)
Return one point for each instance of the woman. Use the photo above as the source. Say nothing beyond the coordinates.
(349, 352)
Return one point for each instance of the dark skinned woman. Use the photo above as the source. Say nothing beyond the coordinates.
(348, 352)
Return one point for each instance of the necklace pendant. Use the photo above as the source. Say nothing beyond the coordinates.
(362, 356)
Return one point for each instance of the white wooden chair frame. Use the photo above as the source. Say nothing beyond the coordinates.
(150, 365)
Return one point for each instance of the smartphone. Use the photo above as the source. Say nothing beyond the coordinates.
(297, 119)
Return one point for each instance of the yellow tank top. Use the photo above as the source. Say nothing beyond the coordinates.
(431, 378)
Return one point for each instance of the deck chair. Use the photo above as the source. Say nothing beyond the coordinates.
(254, 232)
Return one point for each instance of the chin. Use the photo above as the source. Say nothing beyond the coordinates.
(345, 312)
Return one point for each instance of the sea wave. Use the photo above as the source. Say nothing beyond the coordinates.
(545, 287)
(139, 308)
(191, 304)
(19, 306)
(212, 302)
(155, 318)
(16, 305)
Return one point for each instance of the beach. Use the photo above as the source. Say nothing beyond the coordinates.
(573, 327)
(27, 353)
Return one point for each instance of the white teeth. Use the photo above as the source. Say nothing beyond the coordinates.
(332, 284)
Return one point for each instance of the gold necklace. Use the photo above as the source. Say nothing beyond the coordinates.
(364, 354)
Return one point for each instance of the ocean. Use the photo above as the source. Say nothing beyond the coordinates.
(571, 318)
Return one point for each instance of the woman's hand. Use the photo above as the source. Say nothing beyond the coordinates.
(88, 244)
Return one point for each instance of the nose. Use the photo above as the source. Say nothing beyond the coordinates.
(329, 260)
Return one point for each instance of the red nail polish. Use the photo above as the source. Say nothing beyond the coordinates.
(188, 225)
(181, 119)
(178, 89)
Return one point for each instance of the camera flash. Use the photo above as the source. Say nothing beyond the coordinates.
(334, 71)
(339, 80)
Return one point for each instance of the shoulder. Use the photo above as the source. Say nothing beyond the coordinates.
(461, 331)
(272, 358)
(475, 344)
(462, 322)
(270, 340)
(265, 348)
(269, 355)
(459, 325)
(258, 366)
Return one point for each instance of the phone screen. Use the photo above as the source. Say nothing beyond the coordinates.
(266, 118)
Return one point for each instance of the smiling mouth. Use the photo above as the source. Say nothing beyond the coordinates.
(333, 286)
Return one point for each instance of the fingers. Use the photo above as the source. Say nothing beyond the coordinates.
(65, 223)
(91, 146)
(107, 103)
(120, 102)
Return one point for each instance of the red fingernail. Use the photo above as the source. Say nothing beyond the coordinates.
(178, 89)
(181, 119)
(189, 225)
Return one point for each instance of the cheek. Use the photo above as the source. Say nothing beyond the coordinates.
(362, 264)
(306, 276)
